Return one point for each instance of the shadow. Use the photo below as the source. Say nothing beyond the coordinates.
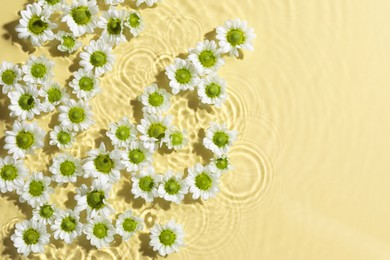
(133, 5)
(163, 150)
(211, 36)
(103, 138)
(4, 112)
(117, 241)
(71, 202)
(200, 150)
(163, 82)
(57, 243)
(48, 148)
(9, 248)
(137, 110)
(52, 45)
(125, 191)
(188, 200)
(145, 248)
(240, 54)
(75, 64)
(84, 243)
(163, 204)
(54, 120)
(3, 152)
(23, 207)
(12, 34)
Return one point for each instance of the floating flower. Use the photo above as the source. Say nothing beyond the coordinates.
(182, 75)
(65, 168)
(113, 2)
(212, 90)
(152, 130)
(173, 187)
(100, 232)
(202, 182)
(148, 2)
(53, 95)
(44, 214)
(206, 57)
(38, 70)
(12, 174)
(97, 57)
(111, 22)
(62, 137)
(145, 184)
(122, 133)
(128, 224)
(76, 115)
(10, 75)
(134, 22)
(68, 42)
(220, 164)
(166, 239)
(36, 191)
(175, 139)
(85, 84)
(219, 139)
(25, 103)
(155, 100)
(136, 157)
(81, 16)
(67, 226)
(52, 5)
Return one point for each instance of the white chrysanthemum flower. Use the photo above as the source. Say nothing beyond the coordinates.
(53, 95)
(218, 139)
(206, 57)
(135, 23)
(35, 24)
(113, 2)
(10, 75)
(100, 232)
(145, 184)
(52, 5)
(175, 139)
(97, 57)
(136, 157)
(166, 239)
(155, 100)
(127, 225)
(152, 130)
(122, 133)
(44, 214)
(67, 226)
(36, 191)
(68, 42)
(85, 84)
(182, 75)
(76, 115)
(173, 187)
(38, 70)
(148, 2)
(220, 165)
(103, 165)
(202, 182)
(212, 90)
(30, 236)
(65, 168)
(235, 35)
(94, 199)
(62, 137)
(25, 103)
(111, 22)
(24, 138)
(81, 16)
(12, 174)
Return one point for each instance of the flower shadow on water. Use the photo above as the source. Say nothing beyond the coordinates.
(137, 110)
(9, 248)
(145, 249)
(199, 149)
(127, 195)
(12, 35)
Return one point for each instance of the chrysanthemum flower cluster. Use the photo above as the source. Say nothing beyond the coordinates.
(32, 90)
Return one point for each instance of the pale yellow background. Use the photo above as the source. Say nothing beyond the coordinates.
(312, 104)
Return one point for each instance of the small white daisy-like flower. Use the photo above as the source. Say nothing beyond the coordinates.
(94, 199)
(220, 164)
(30, 236)
(127, 225)
(100, 232)
(145, 184)
(35, 24)
(52, 5)
(44, 214)
(135, 23)
(182, 75)
(10, 75)
(67, 226)
(136, 157)
(122, 133)
(202, 182)
(85, 84)
(173, 187)
(111, 22)
(24, 138)
(175, 139)
(166, 239)
(76, 115)
(97, 57)
(62, 137)
(38, 70)
(103, 165)
(155, 100)
(81, 16)
(25, 103)
(218, 139)
(113, 2)
(65, 168)
(53, 95)
(235, 35)
(12, 174)
(36, 191)
(152, 130)
(212, 90)
(147, 2)
(68, 42)
(206, 57)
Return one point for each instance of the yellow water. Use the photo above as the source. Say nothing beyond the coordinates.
(312, 105)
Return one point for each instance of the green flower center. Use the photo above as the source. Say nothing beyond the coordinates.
(177, 138)
(26, 102)
(235, 37)
(220, 139)
(38, 70)
(95, 199)
(81, 15)
(157, 130)
(24, 140)
(172, 186)
(134, 20)
(36, 188)
(222, 163)
(30, 236)
(122, 133)
(98, 58)
(8, 77)
(67, 168)
(104, 163)
(213, 90)
(68, 224)
(86, 84)
(36, 25)
(155, 99)
(54, 95)
(183, 76)
(167, 237)
(76, 115)
(63, 137)
(136, 156)
(129, 225)
(146, 183)
(68, 42)
(9, 172)
(203, 181)
(46, 211)
(114, 26)
(52, 2)
(207, 58)
(100, 230)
